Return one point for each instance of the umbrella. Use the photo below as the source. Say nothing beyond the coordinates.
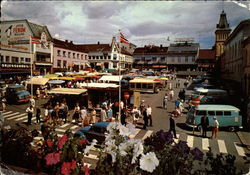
(56, 81)
(50, 75)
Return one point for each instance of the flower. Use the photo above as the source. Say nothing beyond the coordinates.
(52, 158)
(123, 148)
(49, 143)
(131, 128)
(113, 126)
(62, 141)
(198, 155)
(124, 131)
(85, 168)
(73, 164)
(83, 141)
(149, 162)
(66, 168)
(181, 147)
(89, 147)
(113, 155)
(166, 136)
(138, 150)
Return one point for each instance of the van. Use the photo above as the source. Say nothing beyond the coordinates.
(227, 116)
(17, 94)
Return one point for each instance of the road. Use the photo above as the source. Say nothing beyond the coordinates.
(227, 142)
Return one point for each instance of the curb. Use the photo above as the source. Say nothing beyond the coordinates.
(243, 140)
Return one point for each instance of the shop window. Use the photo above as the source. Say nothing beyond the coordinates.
(27, 59)
(59, 63)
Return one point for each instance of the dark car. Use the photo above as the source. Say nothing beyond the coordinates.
(96, 131)
(17, 94)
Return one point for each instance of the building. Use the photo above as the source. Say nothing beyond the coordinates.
(246, 66)
(182, 55)
(206, 60)
(68, 57)
(221, 34)
(150, 57)
(25, 44)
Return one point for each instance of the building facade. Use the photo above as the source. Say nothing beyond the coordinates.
(68, 57)
(206, 60)
(246, 66)
(25, 44)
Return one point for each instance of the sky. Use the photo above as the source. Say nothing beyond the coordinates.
(141, 22)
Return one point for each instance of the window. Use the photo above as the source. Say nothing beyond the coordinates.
(143, 58)
(89, 57)
(219, 113)
(179, 59)
(74, 55)
(162, 59)
(186, 59)
(15, 59)
(86, 57)
(172, 59)
(101, 57)
(138, 85)
(201, 113)
(193, 59)
(64, 53)
(77, 56)
(227, 113)
(154, 59)
(211, 113)
(105, 57)
(93, 57)
(27, 59)
(132, 85)
(58, 53)
(64, 64)
(22, 59)
(2, 59)
(97, 57)
(81, 56)
(59, 63)
(69, 54)
(144, 86)
(109, 57)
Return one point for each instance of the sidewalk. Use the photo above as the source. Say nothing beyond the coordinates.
(244, 138)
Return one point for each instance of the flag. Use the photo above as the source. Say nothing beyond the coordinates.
(123, 39)
(35, 40)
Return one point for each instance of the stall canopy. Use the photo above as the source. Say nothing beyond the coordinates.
(99, 85)
(142, 80)
(38, 81)
(68, 91)
(56, 81)
(114, 78)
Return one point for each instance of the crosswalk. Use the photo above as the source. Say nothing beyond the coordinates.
(192, 141)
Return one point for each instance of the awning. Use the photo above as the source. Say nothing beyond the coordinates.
(98, 64)
(142, 80)
(50, 75)
(68, 91)
(111, 78)
(99, 85)
(43, 64)
(38, 81)
(56, 81)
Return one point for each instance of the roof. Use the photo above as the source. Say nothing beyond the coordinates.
(217, 107)
(207, 54)
(95, 47)
(115, 78)
(99, 85)
(68, 91)
(124, 51)
(66, 45)
(142, 80)
(38, 81)
(183, 47)
(151, 50)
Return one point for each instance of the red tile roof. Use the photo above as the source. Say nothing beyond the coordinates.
(207, 54)
(95, 47)
(66, 45)
(149, 50)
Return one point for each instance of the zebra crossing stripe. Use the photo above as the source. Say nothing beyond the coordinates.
(239, 149)
(65, 125)
(205, 144)
(148, 133)
(136, 132)
(20, 115)
(21, 118)
(74, 127)
(4, 113)
(91, 156)
(190, 141)
(222, 146)
(9, 115)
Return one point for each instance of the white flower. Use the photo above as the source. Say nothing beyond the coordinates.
(131, 128)
(138, 150)
(113, 126)
(123, 147)
(149, 162)
(110, 145)
(124, 131)
(89, 147)
(113, 155)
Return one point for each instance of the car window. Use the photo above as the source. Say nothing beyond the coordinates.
(201, 113)
(211, 113)
(227, 113)
(219, 113)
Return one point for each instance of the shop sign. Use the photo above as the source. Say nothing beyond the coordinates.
(14, 47)
(15, 65)
(18, 40)
(19, 29)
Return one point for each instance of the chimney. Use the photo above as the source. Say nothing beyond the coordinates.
(161, 46)
(66, 41)
(71, 42)
(98, 42)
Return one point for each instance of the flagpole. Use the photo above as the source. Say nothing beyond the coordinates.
(31, 69)
(119, 64)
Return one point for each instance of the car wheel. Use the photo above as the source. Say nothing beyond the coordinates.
(232, 129)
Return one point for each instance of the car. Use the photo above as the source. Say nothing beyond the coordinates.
(17, 94)
(96, 131)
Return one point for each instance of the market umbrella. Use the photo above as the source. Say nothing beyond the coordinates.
(56, 81)
(50, 75)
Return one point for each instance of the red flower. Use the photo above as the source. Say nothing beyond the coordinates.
(62, 141)
(52, 158)
(73, 164)
(83, 141)
(85, 168)
(49, 143)
(66, 168)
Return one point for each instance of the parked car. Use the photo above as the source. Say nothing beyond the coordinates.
(204, 86)
(227, 116)
(96, 131)
(17, 94)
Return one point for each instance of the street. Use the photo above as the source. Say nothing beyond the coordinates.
(226, 143)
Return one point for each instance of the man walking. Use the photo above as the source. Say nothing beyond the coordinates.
(149, 115)
(172, 125)
(145, 118)
(30, 111)
(165, 100)
(204, 125)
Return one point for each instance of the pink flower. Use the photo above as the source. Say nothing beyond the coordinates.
(49, 143)
(85, 168)
(66, 168)
(52, 158)
(83, 141)
(62, 141)
(73, 164)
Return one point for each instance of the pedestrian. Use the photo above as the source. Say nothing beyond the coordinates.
(32, 102)
(4, 101)
(135, 114)
(172, 125)
(123, 117)
(145, 118)
(215, 128)
(142, 105)
(84, 116)
(93, 115)
(76, 113)
(170, 86)
(204, 125)
(109, 113)
(171, 94)
(38, 93)
(30, 111)
(149, 115)
(165, 100)
(46, 114)
(177, 103)
(38, 115)
(103, 114)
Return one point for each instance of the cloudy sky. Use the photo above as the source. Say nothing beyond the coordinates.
(142, 22)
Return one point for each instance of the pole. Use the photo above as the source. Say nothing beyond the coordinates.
(31, 68)
(119, 116)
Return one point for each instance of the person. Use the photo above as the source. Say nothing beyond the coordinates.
(38, 115)
(93, 116)
(123, 117)
(46, 114)
(170, 85)
(149, 115)
(56, 109)
(4, 101)
(76, 113)
(32, 102)
(30, 111)
(84, 116)
(61, 111)
(122, 105)
(186, 83)
(177, 103)
(171, 94)
(109, 113)
(38, 93)
(103, 114)
(172, 125)
(135, 114)
(145, 118)
(142, 106)
(204, 125)
(65, 111)
(215, 128)
(165, 100)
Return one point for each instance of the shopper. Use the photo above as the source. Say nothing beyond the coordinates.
(215, 128)
(30, 111)
(172, 125)
(204, 125)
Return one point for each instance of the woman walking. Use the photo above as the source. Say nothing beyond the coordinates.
(215, 128)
